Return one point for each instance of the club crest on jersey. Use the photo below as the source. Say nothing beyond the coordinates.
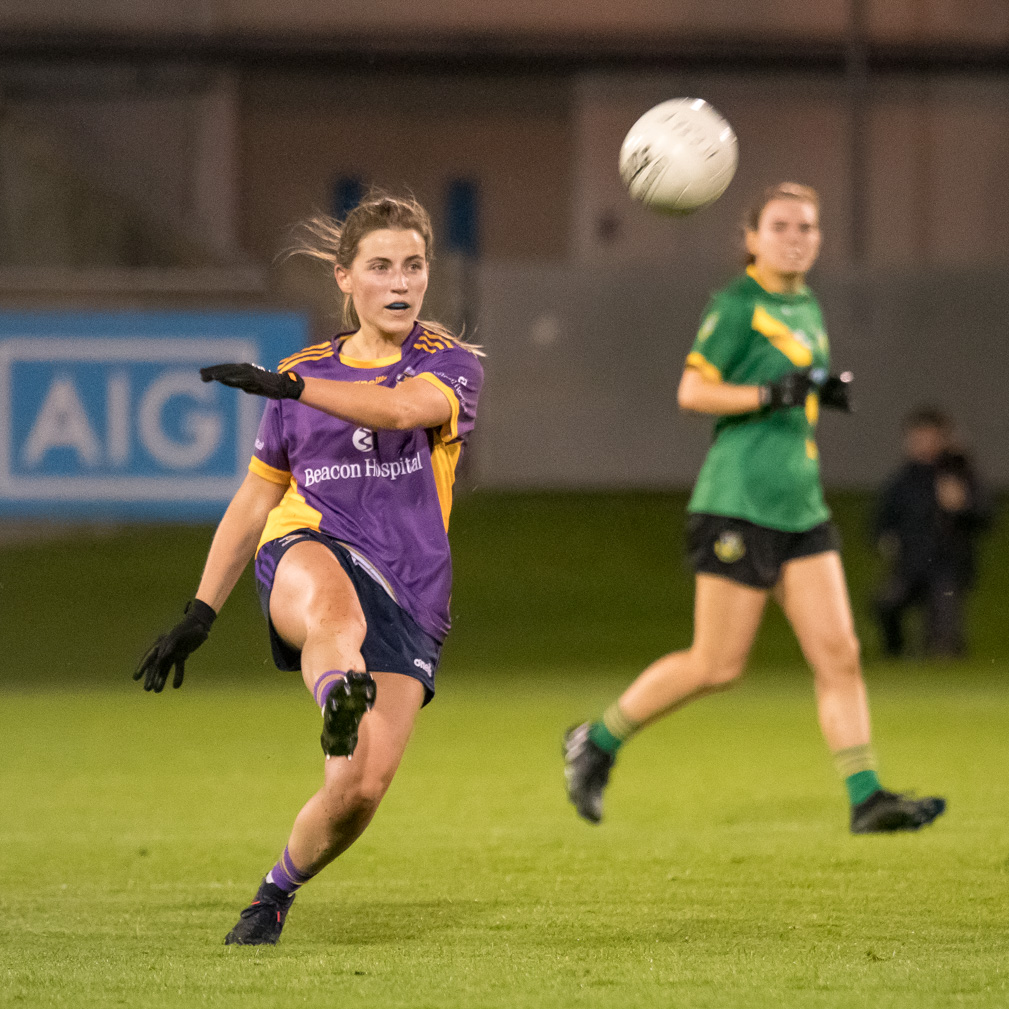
(708, 327)
(729, 547)
(364, 440)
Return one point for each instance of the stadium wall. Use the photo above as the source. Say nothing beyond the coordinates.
(160, 147)
(929, 189)
(587, 303)
(583, 365)
(241, 157)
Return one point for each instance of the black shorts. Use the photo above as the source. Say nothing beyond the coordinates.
(750, 554)
(393, 643)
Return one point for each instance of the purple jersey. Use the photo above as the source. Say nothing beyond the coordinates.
(386, 495)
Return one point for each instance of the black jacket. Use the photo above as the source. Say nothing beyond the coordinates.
(932, 543)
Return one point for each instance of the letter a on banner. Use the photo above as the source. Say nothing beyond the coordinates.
(62, 423)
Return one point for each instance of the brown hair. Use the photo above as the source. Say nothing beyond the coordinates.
(325, 238)
(928, 416)
(781, 191)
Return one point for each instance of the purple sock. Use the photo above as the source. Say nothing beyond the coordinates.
(287, 875)
(324, 684)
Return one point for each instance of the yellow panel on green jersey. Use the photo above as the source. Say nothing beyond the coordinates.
(763, 466)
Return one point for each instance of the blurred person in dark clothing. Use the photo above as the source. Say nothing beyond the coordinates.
(928, 518)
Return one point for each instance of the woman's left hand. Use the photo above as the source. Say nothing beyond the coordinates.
(835, 393)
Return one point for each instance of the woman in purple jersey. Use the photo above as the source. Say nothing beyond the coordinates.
(345, 508)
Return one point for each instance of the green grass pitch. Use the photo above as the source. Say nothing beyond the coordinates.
(133, 828)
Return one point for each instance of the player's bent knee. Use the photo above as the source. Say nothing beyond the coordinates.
(720, 673)
(362, 797)
(370, 792)
(350, 626)
(359, 793)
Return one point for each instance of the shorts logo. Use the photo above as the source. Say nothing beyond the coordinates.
(421, 664)
(291, 538)
(729, 547)
(364, 440)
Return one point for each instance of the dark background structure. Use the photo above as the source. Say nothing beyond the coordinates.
(156, 155)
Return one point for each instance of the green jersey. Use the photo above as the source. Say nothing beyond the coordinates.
(763, 466)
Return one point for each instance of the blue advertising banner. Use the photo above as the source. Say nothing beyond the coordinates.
(104, 415)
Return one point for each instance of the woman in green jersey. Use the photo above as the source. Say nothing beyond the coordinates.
(758, 522)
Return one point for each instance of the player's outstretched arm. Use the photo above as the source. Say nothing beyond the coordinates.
(413, 403)
(232, 548)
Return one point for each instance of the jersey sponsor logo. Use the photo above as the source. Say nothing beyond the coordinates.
(394, 470)
(729, 547)
(364, 440)
(426, 666)
(338, 471)
(371, 469)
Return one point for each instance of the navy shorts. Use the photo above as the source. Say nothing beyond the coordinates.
(393, 643)
(750, 554)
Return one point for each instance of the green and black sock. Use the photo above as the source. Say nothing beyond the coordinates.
(613, 729)
(857, 766)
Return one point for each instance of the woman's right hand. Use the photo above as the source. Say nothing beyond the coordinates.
(256, 381)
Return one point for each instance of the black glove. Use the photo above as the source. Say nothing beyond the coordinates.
(258, 381)
(173, 648)
(835, 392)
(790, 390)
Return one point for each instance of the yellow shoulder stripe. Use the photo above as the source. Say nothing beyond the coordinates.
(435, 338)
(314, 353)
(267, 472)
(697, 360)
(781, 337)
(432, 346)
(450, 429)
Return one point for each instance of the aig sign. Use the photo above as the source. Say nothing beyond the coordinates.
(105, 414)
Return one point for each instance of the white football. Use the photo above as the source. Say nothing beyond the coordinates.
(679, 156)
